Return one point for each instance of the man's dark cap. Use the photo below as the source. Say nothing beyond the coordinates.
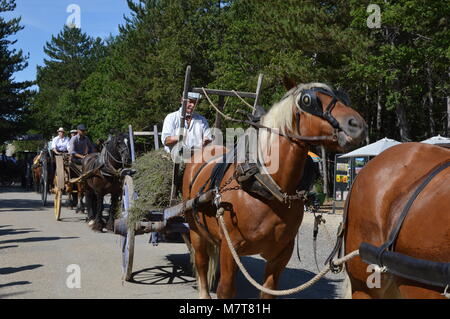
(81, 127)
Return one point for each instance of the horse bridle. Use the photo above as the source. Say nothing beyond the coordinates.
(309, 102)
(110, 155)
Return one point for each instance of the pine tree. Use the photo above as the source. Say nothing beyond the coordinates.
(71, 57)
(14, 96)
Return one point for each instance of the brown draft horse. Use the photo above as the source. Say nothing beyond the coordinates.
(257, 225)
(115, 155)
(378, 196)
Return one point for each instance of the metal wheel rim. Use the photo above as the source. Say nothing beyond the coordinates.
(128, 241)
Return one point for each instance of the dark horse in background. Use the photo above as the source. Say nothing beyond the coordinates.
(106, 178)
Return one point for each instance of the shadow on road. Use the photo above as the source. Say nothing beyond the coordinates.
(179, 272)
(73, 219)
(13, 294)
(10, 246)
(290, 278)
(19, 205)
(11, 270)
(14, 189)
(11, 231)
(33, 239)
(16, 283)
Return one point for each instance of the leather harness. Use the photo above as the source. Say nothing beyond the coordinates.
(266, 186)
(389, 245)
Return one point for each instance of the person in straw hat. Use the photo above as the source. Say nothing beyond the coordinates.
(60, 142)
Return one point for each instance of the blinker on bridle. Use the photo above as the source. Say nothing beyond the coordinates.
(309, 102)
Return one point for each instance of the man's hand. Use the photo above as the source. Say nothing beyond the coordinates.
(206, 141)
(171, 140)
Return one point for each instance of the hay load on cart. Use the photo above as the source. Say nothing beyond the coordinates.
(152, 183)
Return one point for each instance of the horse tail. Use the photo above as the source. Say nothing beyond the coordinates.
(214, 254)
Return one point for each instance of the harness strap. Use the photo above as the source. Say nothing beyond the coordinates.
(337, 249)
(394, 233)
(389, 244)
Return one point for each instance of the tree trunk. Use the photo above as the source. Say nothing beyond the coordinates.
(430, 101)
(379, 108)
(402, 123)
(448, 116)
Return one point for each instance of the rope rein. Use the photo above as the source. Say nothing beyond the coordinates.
(304, 286)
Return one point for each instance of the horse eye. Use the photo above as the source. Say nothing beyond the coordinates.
(306, 100)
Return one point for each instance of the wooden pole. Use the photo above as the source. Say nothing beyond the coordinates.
(218, 121)
(176, 166)
(133, 154)
(258, 91)
(156, 136)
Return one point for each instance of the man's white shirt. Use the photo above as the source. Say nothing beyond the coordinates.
(197, 131)
(61, 144)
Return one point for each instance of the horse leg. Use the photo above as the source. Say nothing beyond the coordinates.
(275, 267)
(201, 264)
(98, 224)
(90, 203)
(112, 212)
(80, 206)
(227, 283)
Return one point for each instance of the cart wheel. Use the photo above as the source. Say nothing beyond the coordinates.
(128, 241)
(44, 187)
(58, 196)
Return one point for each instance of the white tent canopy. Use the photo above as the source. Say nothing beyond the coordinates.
(437, 140)
(372, 149)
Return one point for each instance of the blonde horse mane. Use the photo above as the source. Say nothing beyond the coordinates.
(281, 113)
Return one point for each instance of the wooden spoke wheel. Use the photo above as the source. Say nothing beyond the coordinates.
(127, 241)
(44, 186)
(59, 185)
(57, 204)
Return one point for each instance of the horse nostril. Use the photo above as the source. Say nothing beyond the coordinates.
(354, 127)
(354, 123)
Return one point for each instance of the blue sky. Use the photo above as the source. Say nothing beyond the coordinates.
(44, 18)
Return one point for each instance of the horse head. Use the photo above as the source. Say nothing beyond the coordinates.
(314, 109)
(118, 147)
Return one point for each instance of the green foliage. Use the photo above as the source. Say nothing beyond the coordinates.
(396, 76)
(14, 96)
(72, 57)
(32, 146)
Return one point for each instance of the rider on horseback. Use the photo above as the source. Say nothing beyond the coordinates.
(80, 145)
(197, 132)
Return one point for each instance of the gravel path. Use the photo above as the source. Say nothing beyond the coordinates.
(36, 254)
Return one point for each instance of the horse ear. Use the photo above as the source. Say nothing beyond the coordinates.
(289, 83)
